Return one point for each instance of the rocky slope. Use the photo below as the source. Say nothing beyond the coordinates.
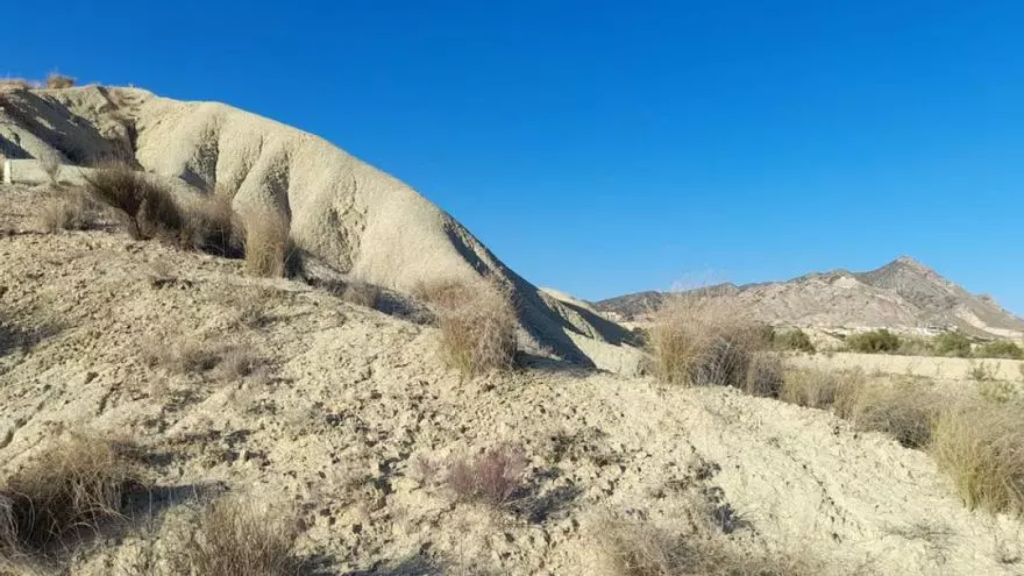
(344, 213)
(346, 403)
(903, 295)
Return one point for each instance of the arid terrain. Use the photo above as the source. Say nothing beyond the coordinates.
(903, 295)
(342, 420)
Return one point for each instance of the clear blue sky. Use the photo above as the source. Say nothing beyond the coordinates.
(608, 147)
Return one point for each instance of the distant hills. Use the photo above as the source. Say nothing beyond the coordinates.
(903, 295)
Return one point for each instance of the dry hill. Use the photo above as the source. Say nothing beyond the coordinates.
(903, 295)
(344, 213)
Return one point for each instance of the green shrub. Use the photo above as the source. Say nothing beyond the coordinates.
(1000, 349)
(874, 342)
(795, 339)
(953, 344)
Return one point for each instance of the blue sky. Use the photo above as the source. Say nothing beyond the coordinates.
(609, 147)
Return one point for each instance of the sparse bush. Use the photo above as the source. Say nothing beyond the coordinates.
(980, 447)
(210, 225)
(18, 83)
(701, 341)
(1000, 349)
(904, 410)
(954, 344)
(630, 548)
(981, 372)
(915, 346)
(233, 538)
(874, 342)
(793, 339)
(765, 376)
(77, 481)
(59, 81)
(360, 294)
(147, 208)
(238, 363)
(819, 388)
(67, 210)
(181, 357)
(267, 242)
(491, 477)
(477, 322)
(999, 392)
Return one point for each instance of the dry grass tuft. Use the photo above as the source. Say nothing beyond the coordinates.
(147, 208)
(820, 388)
(234, 538)
(491, 477)
(630, 548)
(478, 324)
(181, 357)
(360, 294)
(211, 225)
(18, 83)
(702, 341)
(59, 81)
(67, 209)
(981, 447)
(267, 242)
(75, 483)
(905, 410)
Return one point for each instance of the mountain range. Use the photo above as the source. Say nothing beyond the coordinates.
(903, 295)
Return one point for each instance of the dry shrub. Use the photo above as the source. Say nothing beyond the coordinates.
(18, 83)
(75, 483)
(181, 357)
(147, 208)
(703, 341)
(477, 322)
(820, 388)
(67, 209)
(210, 225)
(981, 447)
(905, 410)
(630, 548)
(267, 242)
(59, 81)
(238, 363)
(234, 538)
(491, 477)
(765, 376)
(360, 294)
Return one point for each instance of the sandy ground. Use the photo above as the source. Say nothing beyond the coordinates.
(347, 399)
(956, 369)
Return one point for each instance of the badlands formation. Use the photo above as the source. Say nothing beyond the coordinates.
(280, 393)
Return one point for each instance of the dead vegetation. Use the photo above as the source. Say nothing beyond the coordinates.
(491, 477)
(819, 388)
(634, 548)
(184, 356)
(477, 322)
(67, 209)
(149, 209)
(981, 447)
(701, 341)
(234, 537)
(360, 294)
(58, 81)
(267, 242)
(74, 484)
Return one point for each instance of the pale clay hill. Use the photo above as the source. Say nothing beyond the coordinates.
(903, 295)
(345, 214)
(347, 410)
